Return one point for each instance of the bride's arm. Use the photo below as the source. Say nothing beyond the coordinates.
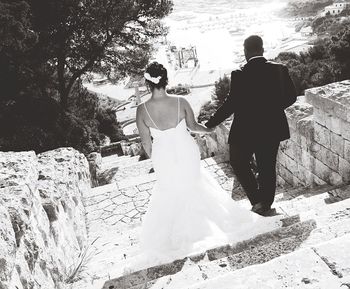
(144, 131)
(191, 122)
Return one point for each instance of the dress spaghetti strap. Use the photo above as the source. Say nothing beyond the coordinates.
(144, 104)
(178, 110)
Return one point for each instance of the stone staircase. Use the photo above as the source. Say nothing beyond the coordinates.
(307, 251)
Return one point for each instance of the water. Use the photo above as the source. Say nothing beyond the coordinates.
(218, 28)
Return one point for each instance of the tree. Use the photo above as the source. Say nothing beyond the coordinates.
(17, 38)
(222, 89)
(79, 36)
(220, 93)
(340, 50)
(46, 48)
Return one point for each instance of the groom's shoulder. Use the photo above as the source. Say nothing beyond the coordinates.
(236, 72)
(276, 65)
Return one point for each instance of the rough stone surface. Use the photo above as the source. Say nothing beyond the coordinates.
(42, 217)
(301, 269)
(335, 254)
(215, 143)
(117, 242)
(318, 151)
(245, 253)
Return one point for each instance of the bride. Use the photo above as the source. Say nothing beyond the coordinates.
(188, 211)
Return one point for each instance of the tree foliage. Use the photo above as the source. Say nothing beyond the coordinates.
(46, 48)
(220, 93)
(305, 8)
(329, 25)
(73, 37)
(328, 60)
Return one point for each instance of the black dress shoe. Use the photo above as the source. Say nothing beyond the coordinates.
(263, 210)
(258, 208)
(269, 213)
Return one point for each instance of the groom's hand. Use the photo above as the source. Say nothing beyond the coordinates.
(207, 124)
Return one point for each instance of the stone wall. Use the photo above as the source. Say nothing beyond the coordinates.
(42, 217)
(215, 143)
(318, 151)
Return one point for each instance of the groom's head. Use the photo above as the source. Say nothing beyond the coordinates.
(253, 46)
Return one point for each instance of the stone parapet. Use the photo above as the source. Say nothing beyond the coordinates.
(318, 151)
(215, 143)
(42, 223)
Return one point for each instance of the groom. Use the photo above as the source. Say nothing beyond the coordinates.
(259, 93)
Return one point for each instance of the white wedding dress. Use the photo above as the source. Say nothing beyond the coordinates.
(188, 211)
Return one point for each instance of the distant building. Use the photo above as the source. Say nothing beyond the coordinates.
(187, 57)
(337, 7)
(306, 31)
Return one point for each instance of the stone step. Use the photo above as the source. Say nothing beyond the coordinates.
(114, 161)
(115, 172)
(323, 266)
(243, 248)
(133, 170)
(125, 202)
(125, 167)
(328, 222)
(290, 204)
(331, 223)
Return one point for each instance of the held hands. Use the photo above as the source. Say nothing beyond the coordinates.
(209, 130)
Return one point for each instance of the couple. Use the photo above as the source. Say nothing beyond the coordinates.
(189, 212)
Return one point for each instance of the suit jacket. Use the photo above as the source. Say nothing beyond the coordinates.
(259, 93)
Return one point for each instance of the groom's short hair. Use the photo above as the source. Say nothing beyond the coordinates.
(253, 43)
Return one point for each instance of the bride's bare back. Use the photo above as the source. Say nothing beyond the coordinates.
(165, 112)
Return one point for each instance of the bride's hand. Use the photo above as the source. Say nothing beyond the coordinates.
(209, 130)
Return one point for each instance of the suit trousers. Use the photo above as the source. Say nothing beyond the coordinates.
(260, 189)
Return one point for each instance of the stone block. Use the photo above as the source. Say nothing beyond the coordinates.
(281, 158)
(297, 182)
(292, 149)
(335, 178)
(298, 111)
(322, 171)
(322, 135)
(345, 129)
(284, 144)
(318, 181)
(337, 144)
(280, 181)
(344, 169)
(347, 150)
(305, 143)
(332, 98)
(285, 174)
(305, 127)
(294, 136)
(335, 124)
(321, 117)
(291, 164)
(305, 176)
(324, 155)
(307, 160)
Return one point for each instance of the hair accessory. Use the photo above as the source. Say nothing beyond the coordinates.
(155, 80)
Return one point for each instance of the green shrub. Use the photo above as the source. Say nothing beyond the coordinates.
(38, 124)
(220, 93)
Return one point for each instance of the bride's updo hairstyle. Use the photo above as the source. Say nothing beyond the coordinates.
(156, 76)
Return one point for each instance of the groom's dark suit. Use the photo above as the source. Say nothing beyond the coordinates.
(259, 93)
